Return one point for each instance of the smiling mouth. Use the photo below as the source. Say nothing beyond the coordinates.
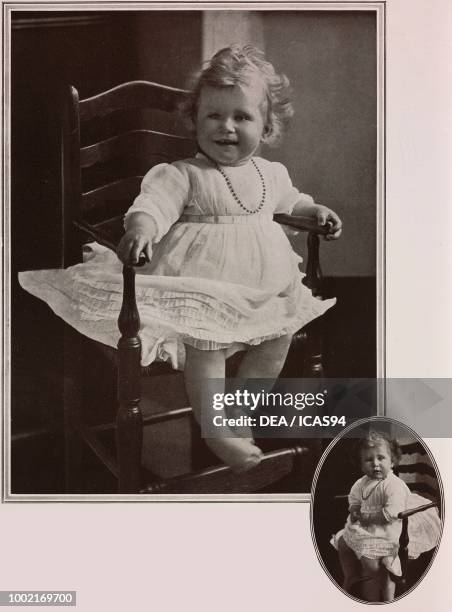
(225, 142)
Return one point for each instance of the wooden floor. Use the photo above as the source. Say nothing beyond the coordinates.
(37, 368)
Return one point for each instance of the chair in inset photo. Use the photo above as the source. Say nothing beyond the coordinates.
(378, 540)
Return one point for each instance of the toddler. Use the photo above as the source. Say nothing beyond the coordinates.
(369, 543)
(221, 274)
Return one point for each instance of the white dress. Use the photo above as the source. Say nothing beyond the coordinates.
(390, 496)
(218, 278)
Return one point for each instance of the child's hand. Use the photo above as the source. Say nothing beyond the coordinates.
(355, 515)
(326, 216)
(140, 233)
(132, 244)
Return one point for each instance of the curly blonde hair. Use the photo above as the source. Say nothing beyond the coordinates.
(236, 65)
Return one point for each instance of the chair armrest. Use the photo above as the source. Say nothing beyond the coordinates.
(314, 277)
(304, 224)
(404, 538)
(406, 513)
(107, 234)
(96, 234)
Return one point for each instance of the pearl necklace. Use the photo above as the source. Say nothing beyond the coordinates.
(236, 197)
(364, 498)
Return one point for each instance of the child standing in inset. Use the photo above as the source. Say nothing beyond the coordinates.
(222, 275)
(368, 546)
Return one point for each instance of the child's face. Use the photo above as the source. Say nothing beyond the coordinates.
(230, 123)
(376, 462)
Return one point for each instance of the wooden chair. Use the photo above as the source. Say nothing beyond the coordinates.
(416, 470)
(410, 577)
(100, 179)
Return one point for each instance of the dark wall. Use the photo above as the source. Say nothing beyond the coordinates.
(93, 51)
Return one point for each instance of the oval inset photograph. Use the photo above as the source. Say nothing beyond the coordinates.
(377, 510)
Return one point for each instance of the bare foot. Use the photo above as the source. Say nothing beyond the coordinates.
(240, 454)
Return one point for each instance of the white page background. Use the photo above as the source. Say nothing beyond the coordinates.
(143, 556)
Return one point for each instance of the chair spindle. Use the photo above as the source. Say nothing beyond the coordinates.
(313, 270)
(129, 433)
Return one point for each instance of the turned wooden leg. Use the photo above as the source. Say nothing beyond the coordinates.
(312, 339)
(403, 553)
(313, 333)
(314, 277)
(313, 359)
(72, 397)
(129, 421)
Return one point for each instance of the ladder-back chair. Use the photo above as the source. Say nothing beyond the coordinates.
(101, 176)
(416, 470)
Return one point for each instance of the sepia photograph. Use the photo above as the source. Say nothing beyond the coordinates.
(226, 305)
(376, 510)
(194, 194)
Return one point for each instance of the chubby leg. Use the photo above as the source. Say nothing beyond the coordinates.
(265, 360)
(388, 587)
(391, 565)
(239, 453)
(351, 567)
(372, 577)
